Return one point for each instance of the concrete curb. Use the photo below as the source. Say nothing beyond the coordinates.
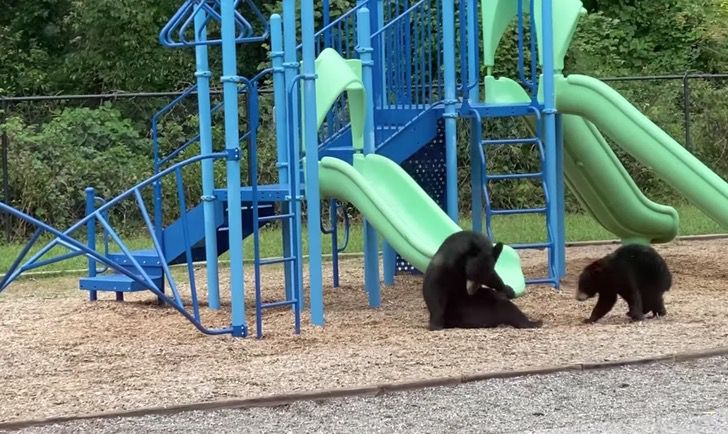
(365, 391)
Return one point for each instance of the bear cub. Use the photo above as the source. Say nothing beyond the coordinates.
(637, 273)
(487, 309)
(463, 263)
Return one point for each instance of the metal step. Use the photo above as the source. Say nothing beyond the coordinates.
(518, 211)
(116, 282)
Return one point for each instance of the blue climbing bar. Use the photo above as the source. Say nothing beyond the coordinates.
(313, 194)
(232, 146)
(208, 175)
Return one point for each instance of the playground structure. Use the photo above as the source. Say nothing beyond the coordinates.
(356, 102)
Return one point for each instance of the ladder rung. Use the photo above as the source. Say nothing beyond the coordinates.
(532, 141)
(518, 211)
(275, 217)
(540, 280)
(530, 245)
(514, 176)
(276, 260)
(277, 304)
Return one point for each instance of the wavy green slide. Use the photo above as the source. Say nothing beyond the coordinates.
(401, 211)
(640, 137)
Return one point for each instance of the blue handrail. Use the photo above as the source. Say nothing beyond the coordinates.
(138, 275)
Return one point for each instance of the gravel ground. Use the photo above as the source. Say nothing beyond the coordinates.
(660, 398)
(64, 356)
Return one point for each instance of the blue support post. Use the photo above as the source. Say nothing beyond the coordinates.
(279, 101)
(208, 171)
(379, 47)
(476, 174)
(473, 57)
(450, 115)
(291, 66)
(389, 259)
(476, 166)
(333, 221)
(313, 194)
(371, 243)
(91, 236)
(232, 146)
(560, 194)
(555, 214)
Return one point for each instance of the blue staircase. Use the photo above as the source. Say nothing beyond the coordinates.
(173, 244)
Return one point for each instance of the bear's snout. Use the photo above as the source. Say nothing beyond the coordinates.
(582, 296)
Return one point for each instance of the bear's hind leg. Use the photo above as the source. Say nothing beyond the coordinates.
(436, 301)
(634, 300)
(512, 315)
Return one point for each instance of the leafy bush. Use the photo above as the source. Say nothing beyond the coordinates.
(51, 164)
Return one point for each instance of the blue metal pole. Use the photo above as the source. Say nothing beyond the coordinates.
(291, 67)
(379, 47)
(476, 165)
(371, 242)
(450, 115)
(232, 141)
(313, 194)
(279, 98)
(390, 263)
(91, 236)
(473, 67)
(208, 170)
(333, 221)
(555, 214)
(560, 194)
(476, 174)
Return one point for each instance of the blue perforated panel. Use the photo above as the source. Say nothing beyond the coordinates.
(427, 167)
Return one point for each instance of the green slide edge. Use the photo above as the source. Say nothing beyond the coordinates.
(645, 141)
(401, 211)
(597, 178)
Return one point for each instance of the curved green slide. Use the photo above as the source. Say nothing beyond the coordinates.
(401, 211)
(391, 201)
(645, 141)
(595, 175)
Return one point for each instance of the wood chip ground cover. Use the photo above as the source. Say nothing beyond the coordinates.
(62, 355)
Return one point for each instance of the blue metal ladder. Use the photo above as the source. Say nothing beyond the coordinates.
(537, 142)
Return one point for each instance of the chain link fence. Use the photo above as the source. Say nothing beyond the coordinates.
(691, 107)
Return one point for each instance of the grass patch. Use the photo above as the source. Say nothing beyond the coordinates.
(509, 229)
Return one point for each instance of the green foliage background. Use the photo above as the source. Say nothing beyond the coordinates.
(82, 46)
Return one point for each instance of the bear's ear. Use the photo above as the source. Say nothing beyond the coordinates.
(497, 249)
(596, 266)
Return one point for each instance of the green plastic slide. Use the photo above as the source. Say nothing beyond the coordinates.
(596, 101)
(401, 211)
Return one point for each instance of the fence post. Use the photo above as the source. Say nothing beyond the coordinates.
(686, 111)
(6, 187)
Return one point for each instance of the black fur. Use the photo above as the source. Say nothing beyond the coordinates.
(637, 273)
(486, 309)
(463, 256)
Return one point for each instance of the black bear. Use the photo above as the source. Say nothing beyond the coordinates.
(635, 272)
(463, 263)
(486, 309)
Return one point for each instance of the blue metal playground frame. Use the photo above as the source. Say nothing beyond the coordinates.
(420, 65)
